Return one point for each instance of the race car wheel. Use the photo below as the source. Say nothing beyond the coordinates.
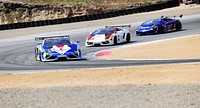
(128, 38)
(178, 26)
(137, 33)
(40, 56)
(160, 30)
(36, 54)
(36, 57)
(115, 40)
(79, 53)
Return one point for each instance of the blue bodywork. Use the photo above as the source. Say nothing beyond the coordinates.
(51, 51)
(159, 25)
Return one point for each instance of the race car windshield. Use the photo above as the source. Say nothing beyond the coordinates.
(55, 42)
(102, 31)
(152, 21)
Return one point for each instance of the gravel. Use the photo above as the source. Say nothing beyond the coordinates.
(121, 96)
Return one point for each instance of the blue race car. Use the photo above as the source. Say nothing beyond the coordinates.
(159, 25)
(53, 48)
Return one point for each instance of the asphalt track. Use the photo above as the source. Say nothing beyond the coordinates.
(17, 54)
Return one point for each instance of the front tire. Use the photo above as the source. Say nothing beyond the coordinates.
(160, 30)
(40, 56)
(137, 33)
(37, 58)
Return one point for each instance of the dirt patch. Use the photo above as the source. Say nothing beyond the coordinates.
(184, 48)
(136, 75)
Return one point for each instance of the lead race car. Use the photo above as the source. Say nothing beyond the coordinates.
(159, 25)
(53, 48)
(110, 35)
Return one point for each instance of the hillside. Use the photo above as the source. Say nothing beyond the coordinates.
(13, 11)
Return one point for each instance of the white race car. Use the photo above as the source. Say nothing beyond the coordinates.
(110, 35)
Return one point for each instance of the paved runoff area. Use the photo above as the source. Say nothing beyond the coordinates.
(173, 85)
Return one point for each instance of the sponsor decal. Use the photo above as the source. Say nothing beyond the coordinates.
(61, 49)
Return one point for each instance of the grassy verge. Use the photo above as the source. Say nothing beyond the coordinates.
(83, 1)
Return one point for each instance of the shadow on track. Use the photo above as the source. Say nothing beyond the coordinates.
(98, 45)
(161, 33)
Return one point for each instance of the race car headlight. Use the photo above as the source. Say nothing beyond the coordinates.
(107, 36)
(52, 50)
(89, 37)
(92, 38)
(47, 52)
(153, 27)
(76, 51)
(42, 50)
(138, 27)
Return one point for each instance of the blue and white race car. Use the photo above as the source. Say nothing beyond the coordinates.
(159, 25)
(53, 48)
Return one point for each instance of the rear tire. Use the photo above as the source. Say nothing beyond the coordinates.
(179, 26)
(115, 40)
(128, 38)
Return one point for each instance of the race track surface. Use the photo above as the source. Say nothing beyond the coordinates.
(17, 54)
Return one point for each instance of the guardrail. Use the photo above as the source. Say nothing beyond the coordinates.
(144, 8)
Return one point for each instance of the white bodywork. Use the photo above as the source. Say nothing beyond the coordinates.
(100, 39)
(189, 1)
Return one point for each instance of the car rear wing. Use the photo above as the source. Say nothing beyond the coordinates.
(42, 38)
(129, 26)
(180, 16)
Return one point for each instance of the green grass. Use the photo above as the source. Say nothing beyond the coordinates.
(57, 1)
(81, 1)
(66, 0)
(9, 18)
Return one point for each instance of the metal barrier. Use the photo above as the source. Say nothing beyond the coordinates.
(143, 8)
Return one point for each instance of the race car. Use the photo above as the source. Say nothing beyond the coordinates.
(53, 48)
(109, 35)
(159, 25)
(187, 2)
